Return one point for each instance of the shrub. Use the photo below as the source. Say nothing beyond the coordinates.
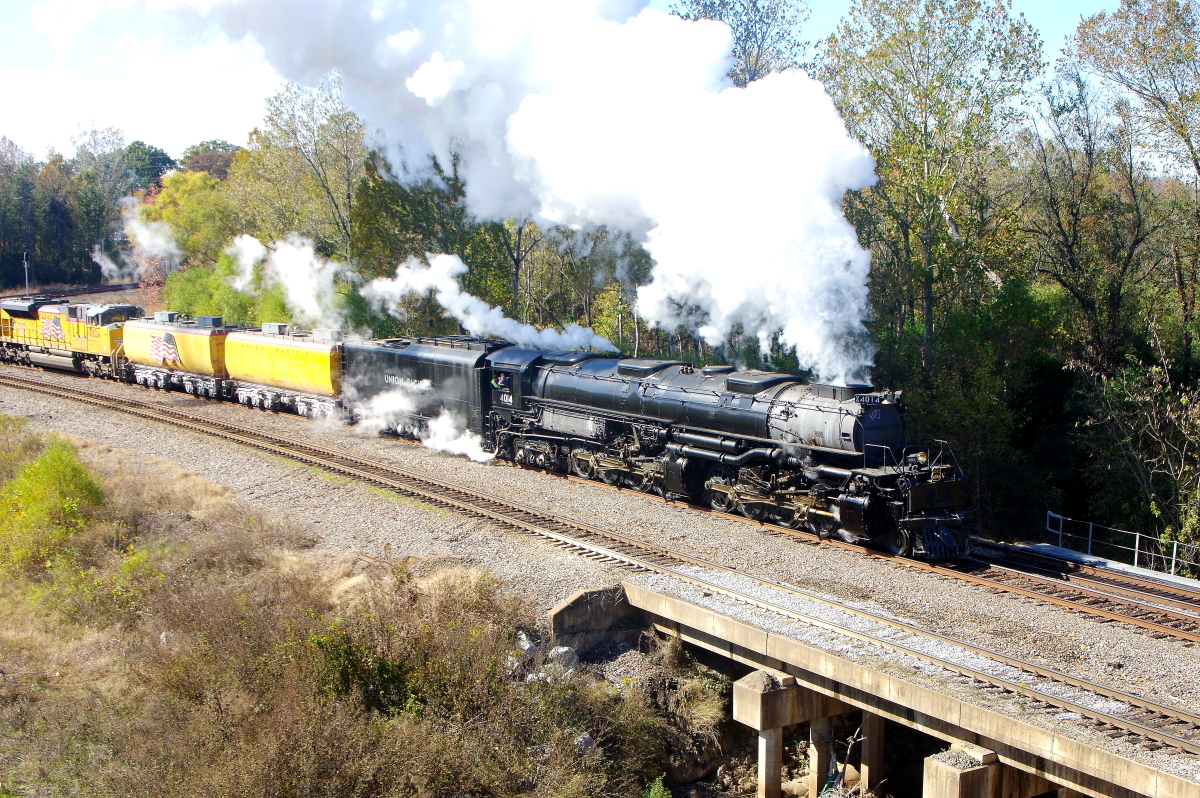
(43, 506)
(655, 789)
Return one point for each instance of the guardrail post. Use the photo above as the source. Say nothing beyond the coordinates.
(1137, 545)
(1174, 555)
(1089, 551)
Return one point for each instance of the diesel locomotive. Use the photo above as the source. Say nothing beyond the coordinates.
(831, 459)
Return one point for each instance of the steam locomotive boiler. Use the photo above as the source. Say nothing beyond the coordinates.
(828, 458)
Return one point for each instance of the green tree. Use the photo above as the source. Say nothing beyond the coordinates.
(299, 172)
(1094, 217)
(147, 162)
(1147, 50)
(198, 212)
(930, 86)
(766, 33)
(325, 139)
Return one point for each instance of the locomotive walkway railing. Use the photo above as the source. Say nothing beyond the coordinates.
(1134, 548)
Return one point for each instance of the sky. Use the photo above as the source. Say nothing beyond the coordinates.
(71, 65)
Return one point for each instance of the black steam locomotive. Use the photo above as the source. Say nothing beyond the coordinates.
(827, 458)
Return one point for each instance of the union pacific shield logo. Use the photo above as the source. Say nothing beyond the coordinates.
(163, 349)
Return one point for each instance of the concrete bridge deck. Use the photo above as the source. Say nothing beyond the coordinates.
(1013, 754)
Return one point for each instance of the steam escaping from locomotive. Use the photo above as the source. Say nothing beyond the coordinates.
(440, 275)
(307, 279)
(151, 246)
(595, 112)
(399, 409)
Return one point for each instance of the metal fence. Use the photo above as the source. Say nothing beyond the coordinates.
(1134, 548)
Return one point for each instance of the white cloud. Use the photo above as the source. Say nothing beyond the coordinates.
(147, 86)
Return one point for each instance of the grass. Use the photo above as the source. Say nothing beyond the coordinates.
(336, 479)
(161, 638)
(388, 494)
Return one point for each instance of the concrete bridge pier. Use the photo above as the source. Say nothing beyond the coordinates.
(987, 778)
(767, 701)
(870, 772)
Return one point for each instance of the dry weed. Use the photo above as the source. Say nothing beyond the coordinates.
(182, 646)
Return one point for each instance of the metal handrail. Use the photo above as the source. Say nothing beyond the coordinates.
(1147, 551)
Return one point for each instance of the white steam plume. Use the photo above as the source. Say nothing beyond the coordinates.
(152, 248)
(475, 315)
(247, 253)
(394, 409)
(308, 280)
(590, 112)
(446, 434)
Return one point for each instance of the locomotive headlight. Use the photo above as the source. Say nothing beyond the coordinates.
(923, 458)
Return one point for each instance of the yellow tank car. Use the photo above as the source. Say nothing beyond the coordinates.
(166, 351)
(278, 369)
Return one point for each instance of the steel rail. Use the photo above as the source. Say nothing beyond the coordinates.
(1165, 623)
(1110, 579)
(1147, 719)
(1047, 585)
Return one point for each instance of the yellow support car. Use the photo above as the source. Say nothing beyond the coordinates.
(277, 368)
(167, 351)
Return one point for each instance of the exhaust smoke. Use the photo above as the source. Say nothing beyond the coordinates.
(590, 112)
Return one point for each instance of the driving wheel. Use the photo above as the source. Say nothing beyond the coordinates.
(719, 500)
(584, 469)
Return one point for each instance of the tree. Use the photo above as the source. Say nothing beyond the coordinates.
(1147, 49)
(198, 212)
(1155, 427)
(214, 157)
(766, 33)
(147, 162)
(930, 87)
(326, 138)
(101, 154)
(1093, 215)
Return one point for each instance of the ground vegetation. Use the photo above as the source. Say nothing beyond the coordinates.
(161, 638)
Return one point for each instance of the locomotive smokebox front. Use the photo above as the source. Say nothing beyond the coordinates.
(849, 422)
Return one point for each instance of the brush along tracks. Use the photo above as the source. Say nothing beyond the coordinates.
(1069, 699)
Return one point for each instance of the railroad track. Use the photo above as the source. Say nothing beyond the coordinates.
(1118, 714)
(81, 291)
(1153, 608)
(1120, 583)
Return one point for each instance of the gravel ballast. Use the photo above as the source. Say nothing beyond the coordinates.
(351, 517)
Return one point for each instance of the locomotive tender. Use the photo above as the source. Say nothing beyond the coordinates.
(828, 458)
